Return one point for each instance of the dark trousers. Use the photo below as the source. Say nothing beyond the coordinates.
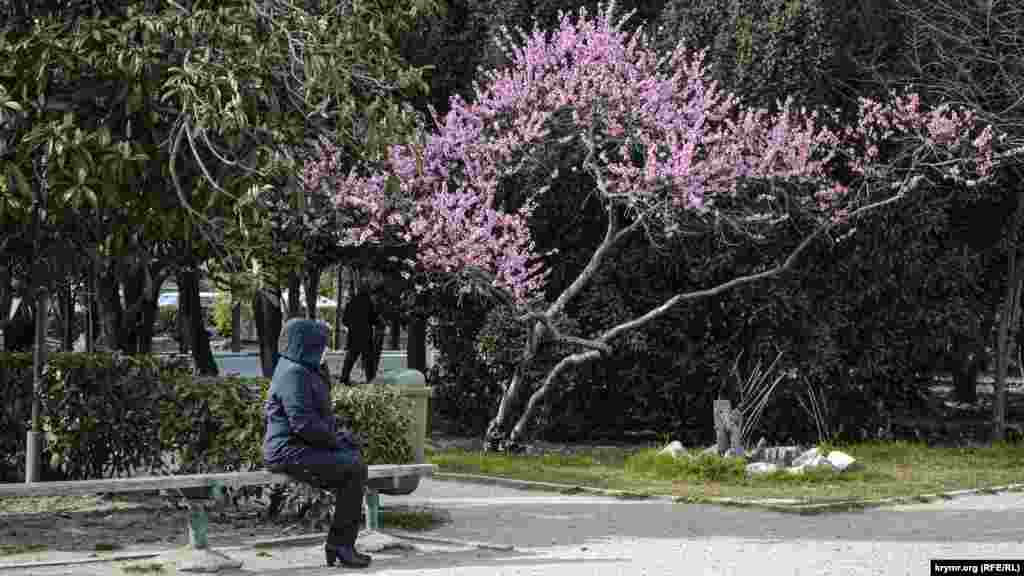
(359, 346)
(343, 472)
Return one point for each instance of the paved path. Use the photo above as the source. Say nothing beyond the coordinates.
(557, 535)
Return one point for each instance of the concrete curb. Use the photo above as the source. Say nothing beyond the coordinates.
(852, 505)
(792, 506)
(568, 489)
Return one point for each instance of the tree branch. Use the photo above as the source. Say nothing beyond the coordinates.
(611, 235)
(174, 172)
(740, 281)
(202, 166)
(592, 344)
(538, 395)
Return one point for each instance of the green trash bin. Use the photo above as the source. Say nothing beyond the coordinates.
(413, 386)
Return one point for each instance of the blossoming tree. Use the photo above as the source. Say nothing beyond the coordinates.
(667, 151)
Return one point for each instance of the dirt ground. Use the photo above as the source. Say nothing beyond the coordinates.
(77, 524)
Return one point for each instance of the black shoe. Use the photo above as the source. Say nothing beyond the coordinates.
(346, 556)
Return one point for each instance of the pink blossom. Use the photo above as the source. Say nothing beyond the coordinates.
(699, 144)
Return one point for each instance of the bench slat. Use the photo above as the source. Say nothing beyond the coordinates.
(146, 483)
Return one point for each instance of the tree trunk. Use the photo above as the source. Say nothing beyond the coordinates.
(965, 374)
(1015, 267)
(147, 322)
(131, 322)
(236, 327)
(417, 352)
(202, 354)
(110, 310)
(38, 367)
(497, 429)
(182, 320)
(339, 309)
(142, 293)
(68, 326)
(312, 291)
(395, 342)
(294, 285)
(1004, 338)
(266, 309)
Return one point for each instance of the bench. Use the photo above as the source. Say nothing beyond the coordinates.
(214, 483)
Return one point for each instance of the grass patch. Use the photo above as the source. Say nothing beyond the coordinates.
(107, 547)
(412, 519)
(66, 504)
(585, 470)
(264, 554)
(13, 549)
(888, 470)
(147, 568)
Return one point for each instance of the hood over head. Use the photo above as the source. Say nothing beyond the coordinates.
(307, 341)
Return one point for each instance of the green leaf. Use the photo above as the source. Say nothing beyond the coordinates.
(90, 196)
(134, 101)
(21, 183)
(81, 173)
(392, 186)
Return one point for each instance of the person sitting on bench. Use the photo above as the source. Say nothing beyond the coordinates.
(304, 441)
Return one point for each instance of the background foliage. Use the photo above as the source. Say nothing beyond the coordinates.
(108, 415)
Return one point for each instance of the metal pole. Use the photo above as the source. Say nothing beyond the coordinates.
(33, 444)
(33, 451)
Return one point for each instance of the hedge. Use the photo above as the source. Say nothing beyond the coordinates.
(109, 415)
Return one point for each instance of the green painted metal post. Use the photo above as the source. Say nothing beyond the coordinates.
(372, 510)
(198, 525)
(199, 518)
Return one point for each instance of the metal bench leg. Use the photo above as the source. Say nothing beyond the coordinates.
(198, 526)
(372, 509)
(198, 557)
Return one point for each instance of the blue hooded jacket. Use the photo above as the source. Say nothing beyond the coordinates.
(298, 407)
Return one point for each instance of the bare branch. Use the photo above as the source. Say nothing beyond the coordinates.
(179, 135)
(233, 163)
(610, 237)
(592, 344)
(538, 395)
(201, 219)
(663, 309)
(202, 166)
